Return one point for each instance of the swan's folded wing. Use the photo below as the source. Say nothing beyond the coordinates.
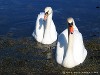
(62, 46)
(39, 29)
(78, 47)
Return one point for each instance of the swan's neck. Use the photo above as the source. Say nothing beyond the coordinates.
(70, 42)
(71, 39)
(74, 26)
(49, 19)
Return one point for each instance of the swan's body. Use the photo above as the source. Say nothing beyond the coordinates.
(70, 48)
(45, 31)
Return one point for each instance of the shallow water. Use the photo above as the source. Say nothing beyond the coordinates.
(24, 56)
(18, 16)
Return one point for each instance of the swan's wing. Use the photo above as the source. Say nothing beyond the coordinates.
(62, 46)
(39, 29)
(78, 47)
(50, 34)
(53, 31)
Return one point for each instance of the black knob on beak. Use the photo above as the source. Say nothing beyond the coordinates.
(46, 13)
(70, 24)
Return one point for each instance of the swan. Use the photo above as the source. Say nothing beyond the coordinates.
(45, 30)
(70, 50)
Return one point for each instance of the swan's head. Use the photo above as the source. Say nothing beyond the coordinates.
(70, 22)
(48, 11)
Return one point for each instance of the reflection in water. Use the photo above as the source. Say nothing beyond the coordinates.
(27, 47)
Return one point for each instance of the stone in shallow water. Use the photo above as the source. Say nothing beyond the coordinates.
(49, 55)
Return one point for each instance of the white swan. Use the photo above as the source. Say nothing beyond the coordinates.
(45, 30)
(70, 48)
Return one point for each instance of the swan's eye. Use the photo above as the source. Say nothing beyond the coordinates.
(70, 24)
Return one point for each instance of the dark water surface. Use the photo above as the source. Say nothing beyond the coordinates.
(19, 16)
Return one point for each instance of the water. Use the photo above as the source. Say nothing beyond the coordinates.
(19, 16)
(24, 56)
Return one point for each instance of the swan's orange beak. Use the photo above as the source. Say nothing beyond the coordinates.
(71, 29)
(46, 16)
